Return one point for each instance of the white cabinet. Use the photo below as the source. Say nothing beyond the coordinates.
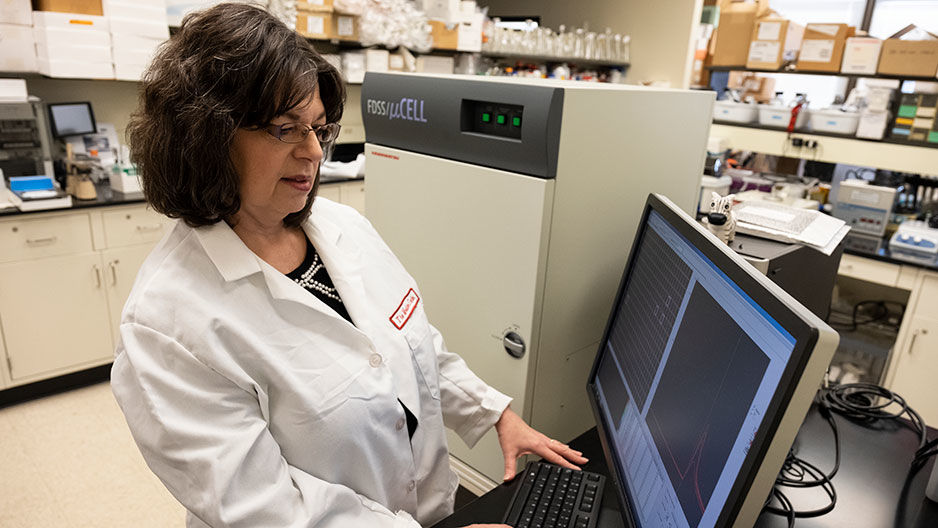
(53, 311)
(914, 365)
(64, 278)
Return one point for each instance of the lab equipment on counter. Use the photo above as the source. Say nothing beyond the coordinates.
(513, 203)
(803, 271)
(36, 193)
(915, 240)
(866, 208)
(25, 148)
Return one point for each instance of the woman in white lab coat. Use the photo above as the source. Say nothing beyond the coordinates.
(276, 365)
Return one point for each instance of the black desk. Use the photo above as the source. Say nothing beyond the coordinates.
(869, 485)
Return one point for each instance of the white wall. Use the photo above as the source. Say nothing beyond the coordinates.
(661, 30)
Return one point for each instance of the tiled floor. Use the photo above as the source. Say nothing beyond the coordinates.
(68, 461)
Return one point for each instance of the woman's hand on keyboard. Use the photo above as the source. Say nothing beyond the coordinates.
(518, 438)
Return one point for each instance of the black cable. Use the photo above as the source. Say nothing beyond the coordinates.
(881, 312)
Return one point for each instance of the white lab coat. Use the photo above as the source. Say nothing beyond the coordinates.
(258, 406)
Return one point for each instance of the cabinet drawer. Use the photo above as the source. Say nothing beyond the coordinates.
(927, 305)
(869, 270)
(44, 237)
(129, 227)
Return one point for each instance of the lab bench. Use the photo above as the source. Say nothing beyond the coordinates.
(66, 273)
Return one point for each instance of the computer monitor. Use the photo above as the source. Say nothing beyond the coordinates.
(704, 375)
(71, 119)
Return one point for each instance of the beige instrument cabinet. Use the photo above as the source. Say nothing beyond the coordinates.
(513, 203)
(64, 278)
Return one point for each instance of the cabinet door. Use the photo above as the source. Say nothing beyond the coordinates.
(353, 194)
(54, 315)
(330, 191)
(120, 267)
(917, 367)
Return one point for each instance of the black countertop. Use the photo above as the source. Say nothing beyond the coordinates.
(108, 197)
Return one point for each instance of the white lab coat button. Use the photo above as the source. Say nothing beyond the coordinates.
(411, 485)
(400, 424)
(375, 360)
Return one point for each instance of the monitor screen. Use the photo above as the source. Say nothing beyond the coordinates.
(71, 119)
(690, 367)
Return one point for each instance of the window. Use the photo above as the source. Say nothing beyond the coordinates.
(890, 16)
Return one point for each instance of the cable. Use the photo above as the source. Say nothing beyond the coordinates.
(880, 311)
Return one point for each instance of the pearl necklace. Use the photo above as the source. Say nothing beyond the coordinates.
(308, 281)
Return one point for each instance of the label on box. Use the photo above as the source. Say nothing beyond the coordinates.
(345, 26)
(764, 51)
(817, 50)
(396, 62)
(315, 25)
(769, 31)
(827, 29)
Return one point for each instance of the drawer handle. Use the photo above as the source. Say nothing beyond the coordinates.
(151, 227)
(38, 241)
(922, 331)
(97, 276)
(113, 265)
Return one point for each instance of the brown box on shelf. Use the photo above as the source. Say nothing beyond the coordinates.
(760, 88)
(314, 5)
(822, 48)
(914, 58)
(444, 37)
(327, 25)
(82, 7)
(731, 40)
(774, 41)
(861, 55)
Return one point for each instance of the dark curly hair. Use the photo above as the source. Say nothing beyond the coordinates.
(231, 66)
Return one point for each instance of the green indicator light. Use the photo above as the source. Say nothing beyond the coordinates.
(516, 121)
(486, 117)
(500, 119)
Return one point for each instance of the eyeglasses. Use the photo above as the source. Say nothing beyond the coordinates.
(297, 132)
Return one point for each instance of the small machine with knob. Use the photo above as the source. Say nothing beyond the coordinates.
(915, 240)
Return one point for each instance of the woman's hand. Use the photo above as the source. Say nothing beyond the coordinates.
(518, 438)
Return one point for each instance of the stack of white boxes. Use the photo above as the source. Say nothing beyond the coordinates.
(16, 36)
(137, 29)
(72, 45)
(876, 116)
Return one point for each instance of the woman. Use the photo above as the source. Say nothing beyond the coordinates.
(276, 366)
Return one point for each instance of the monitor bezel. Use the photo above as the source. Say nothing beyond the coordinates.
(787, 312)
(53, 126)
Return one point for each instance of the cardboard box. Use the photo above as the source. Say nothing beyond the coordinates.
(82, 7)
(326, 25)
(17, 46)
(447, 11)
(822, 48)
(435, 64)
(56, 36)
(353, 66)
(880, 99)
(760, 88)
(775, 41)
(861, 55)
(142, 27)
(76, 70)
(315, 5)
(19, 12)
(396, 62)
(377, 60)
(462, 36)
(151, 13)
(87, 54)
(731, 40)
(134, 42)
(49, 19)
(913, 58)
(873, 124)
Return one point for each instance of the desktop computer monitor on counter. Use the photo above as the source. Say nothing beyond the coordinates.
(703, 377)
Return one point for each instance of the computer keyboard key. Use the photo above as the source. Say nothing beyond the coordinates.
(592, 476)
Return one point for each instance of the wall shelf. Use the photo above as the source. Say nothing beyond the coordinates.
(831, 149)
(826, 74)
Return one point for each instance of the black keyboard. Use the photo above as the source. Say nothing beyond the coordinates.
(554, 497)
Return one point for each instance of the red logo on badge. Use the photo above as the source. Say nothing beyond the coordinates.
(400, 316)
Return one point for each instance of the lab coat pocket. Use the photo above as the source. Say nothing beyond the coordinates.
(420, 339)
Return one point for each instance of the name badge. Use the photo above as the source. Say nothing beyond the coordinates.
(400, 316)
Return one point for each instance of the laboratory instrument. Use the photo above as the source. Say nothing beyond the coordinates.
(513, 203)
(915, 240)
(866, 208)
